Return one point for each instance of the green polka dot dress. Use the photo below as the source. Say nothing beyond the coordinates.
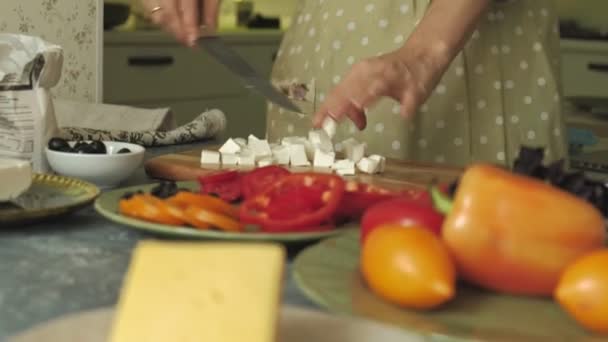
(500, 92)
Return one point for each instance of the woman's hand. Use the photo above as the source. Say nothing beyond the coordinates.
(183, 18)
(401, 75)
(409, 74)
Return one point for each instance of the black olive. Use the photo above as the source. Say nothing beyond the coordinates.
(58, 144)
(84, 148)
(98, 147)
(123, 150)
(165, 189)
(79, 144)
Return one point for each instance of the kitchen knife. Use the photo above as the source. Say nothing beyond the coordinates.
(226, 56)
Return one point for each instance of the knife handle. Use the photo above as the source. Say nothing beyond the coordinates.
(150, 61)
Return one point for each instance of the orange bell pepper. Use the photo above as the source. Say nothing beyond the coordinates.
(515, 234)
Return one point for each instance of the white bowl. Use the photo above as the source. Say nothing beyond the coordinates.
(104, 170)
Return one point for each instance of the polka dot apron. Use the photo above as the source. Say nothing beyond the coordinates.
(500, 92)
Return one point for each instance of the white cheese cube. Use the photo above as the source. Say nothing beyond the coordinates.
(210, 157)
(293, 140)
(230, 159)
(353, 149)
(323, 158)
(297, 155)
(330, 126)
(266, 161)
(320, 139)
(367, 165)
(260, 148)
(346, 172)
(252, 138)
(281, 155)
(16, 178)
(343, 164)
(230, 146)
(381, 161)
(241, 142)
(246, 158)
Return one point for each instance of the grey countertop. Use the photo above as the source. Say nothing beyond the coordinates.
(72, 264)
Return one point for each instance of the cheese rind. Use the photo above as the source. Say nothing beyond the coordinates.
(210, 157)
(176, 291)
(15, 178)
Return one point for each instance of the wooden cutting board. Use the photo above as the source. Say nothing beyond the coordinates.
(185, 166)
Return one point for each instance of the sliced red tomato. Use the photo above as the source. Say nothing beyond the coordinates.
(225, 184)
(360, 196)
(298, 201)
(260, 179)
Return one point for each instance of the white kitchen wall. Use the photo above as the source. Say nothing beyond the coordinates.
(76, 25)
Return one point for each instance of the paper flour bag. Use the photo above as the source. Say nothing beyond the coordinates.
(29, 68)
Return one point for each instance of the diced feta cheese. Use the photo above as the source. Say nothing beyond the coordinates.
(230, 146)
(246, 158)
(252, 138)
(266, 161)
(230, 159)
(323, 158)
(353, 149)
(381, 161)
(281, 155)
(293, 140)
(297, 155)
(330, 126)
(241, 142)
(320, 139)
(343, 164)
(210, 157)
(367, 165)
(346, 172)
(260, 148)
(16, 178)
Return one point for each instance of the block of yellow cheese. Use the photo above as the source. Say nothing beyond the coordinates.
(188, 291)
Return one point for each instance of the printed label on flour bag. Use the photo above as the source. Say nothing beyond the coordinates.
(29, 68)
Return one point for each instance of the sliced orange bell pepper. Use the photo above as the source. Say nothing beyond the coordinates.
(199, 217)
(515, 234)
(185, 199)
(150, 208)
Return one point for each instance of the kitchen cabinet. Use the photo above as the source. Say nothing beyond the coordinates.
(149, 69)
(585, 71)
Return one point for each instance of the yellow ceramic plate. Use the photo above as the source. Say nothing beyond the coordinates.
(48, 197)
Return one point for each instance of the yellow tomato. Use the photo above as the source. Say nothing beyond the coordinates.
(583, 291)
(408, 266)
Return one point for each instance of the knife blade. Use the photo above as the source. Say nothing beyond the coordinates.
(226, 56)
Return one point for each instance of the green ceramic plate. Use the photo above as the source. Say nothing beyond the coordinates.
(328, 274)
(48, 197)
(107, 205)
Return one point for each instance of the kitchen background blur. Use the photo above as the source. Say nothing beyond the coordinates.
(114, 56)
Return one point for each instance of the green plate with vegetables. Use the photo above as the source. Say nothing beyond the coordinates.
(107, 205)
(48, 197)
(328, 273)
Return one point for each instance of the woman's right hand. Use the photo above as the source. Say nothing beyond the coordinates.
(183, 18)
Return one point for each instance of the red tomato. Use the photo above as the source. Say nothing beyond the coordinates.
(360, 196)
(401, 211)
(260, 179)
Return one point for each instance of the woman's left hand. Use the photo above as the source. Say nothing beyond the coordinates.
(403, 76)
